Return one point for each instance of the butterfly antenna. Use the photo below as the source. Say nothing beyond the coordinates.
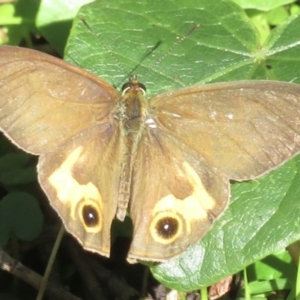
(176, 43)
(103, 44)
(144, 57)
(179, 40)
(149, 53)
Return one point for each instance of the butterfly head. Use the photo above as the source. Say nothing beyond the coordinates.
(133, 85)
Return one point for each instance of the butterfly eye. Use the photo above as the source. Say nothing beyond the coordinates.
(166, 227)
(133, 85)
(142, 87)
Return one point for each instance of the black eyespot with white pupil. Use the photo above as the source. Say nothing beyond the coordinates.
(90, 216)
(167, 227)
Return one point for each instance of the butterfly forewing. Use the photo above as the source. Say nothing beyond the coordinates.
(45, 101)
(243, 129)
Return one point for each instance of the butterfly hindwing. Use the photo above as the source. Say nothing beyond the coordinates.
(82, 183)
(175, 197)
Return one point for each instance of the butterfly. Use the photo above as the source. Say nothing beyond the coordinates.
(166, 160)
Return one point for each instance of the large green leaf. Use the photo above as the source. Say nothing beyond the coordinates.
(146, 36)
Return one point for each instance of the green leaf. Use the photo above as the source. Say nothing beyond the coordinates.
(263, 216)
(265, 5)
(54, 20)
(15, 169)
(279, 265)
(223, 47)
(18, 19)
(19, 215)
(277, 15)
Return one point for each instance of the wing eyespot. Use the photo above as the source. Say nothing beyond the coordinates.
(166, 227)
(90, 215)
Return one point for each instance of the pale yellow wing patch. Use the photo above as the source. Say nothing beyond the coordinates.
(197, 206)
(200, 197)
(77, 196)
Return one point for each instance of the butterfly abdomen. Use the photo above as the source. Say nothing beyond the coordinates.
(131, 126)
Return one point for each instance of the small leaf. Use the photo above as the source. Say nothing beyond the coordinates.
(265, 5)
(54, 20)
(15, 169)
(20, 215)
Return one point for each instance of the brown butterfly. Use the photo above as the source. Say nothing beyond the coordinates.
(168, 159)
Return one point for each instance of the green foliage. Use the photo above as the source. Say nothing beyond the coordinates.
(273, 273)
(20, 216)
(54, 20)
(14, 169)
(266, 5)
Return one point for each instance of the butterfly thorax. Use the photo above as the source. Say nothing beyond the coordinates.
(131, 127)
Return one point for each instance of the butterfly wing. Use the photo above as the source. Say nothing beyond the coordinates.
(175, 198)
(198, 139)
(82, 185)
(64, 114)
(243, 128)
(45, 101)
